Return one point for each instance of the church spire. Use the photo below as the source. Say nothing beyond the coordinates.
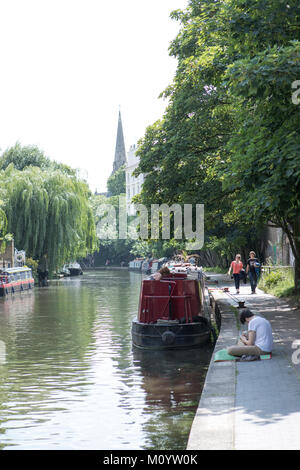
(120, 153)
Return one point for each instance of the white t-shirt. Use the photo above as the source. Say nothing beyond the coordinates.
(263, 330)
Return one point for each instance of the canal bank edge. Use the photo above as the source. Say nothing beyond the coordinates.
(213, 425)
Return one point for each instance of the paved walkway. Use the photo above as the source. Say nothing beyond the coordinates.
(262, 411)
(284, 319)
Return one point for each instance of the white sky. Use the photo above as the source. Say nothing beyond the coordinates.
(67, 65)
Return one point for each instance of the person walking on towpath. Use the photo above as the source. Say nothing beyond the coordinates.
(257, 341)
(252, 270)
(236, 266)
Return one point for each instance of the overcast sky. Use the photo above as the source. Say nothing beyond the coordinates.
(67, 66)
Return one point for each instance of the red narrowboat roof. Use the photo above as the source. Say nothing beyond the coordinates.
(172, 298)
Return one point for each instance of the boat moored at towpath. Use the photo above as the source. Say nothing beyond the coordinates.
(171, 314)
(15, 279)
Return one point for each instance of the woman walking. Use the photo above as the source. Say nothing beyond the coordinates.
(236, 266)
(252, 270)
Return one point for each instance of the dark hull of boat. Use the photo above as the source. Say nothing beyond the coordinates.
(170, 335)
(75, 271)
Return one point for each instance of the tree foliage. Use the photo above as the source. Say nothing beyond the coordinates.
(264, 171)
(112, 248)
(116, 182)
(184, 154)
(228, 138)
(3, 222)
(31, 155)
(48, 212)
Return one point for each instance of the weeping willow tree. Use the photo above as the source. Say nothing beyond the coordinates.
(3, 222)
(49, 213)
(3, 228)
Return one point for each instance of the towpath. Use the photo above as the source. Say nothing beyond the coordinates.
(252, 405)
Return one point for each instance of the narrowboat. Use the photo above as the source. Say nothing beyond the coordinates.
(183, 267)
(15, 279)
(146, 266)
(136, 264)
(157, 264)
(171, 314)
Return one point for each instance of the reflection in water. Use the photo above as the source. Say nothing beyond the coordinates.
(172, 381)
(71, 380)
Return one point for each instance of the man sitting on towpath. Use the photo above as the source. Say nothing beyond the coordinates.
(257, 341)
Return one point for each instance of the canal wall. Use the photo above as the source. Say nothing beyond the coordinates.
(213, 425)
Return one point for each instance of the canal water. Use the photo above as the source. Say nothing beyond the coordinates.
(70, 379)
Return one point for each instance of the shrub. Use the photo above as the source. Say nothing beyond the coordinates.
(33, 264)
(279, 282)
(273, 278)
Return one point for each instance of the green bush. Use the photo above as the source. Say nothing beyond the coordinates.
(273, 278)
(33, 264)
(278, 282)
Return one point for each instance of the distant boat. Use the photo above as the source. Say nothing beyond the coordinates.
(15, 279)
(136, 264)
(146, 266)
(157, 264)
(182, 267)
(64, 272)
(74, 269)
